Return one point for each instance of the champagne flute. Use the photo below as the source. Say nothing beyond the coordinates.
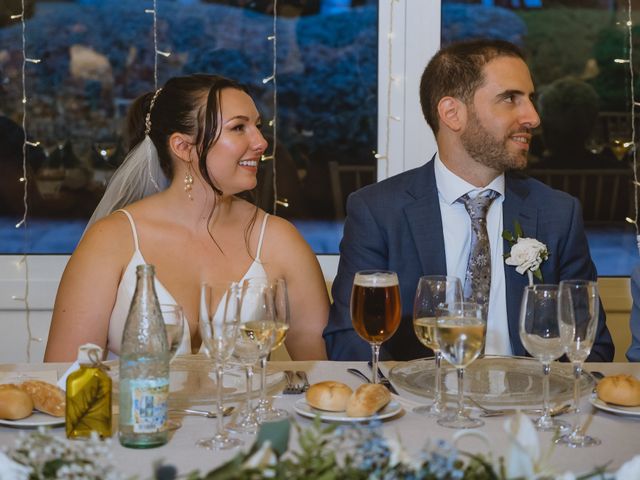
(432, 291)
(541, 336)
(266, 324)
(219, 320)
(375, 309)
(578, 310)
(461, 329)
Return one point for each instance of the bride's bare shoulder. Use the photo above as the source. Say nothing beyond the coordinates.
(112, 234)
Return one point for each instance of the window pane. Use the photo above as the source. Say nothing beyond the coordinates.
(97, 56)
(583, 143)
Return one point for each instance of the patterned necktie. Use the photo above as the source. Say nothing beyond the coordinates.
(477, 282)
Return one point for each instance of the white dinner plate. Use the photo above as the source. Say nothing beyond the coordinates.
(36, 419)
(607, 407)
(303, 408)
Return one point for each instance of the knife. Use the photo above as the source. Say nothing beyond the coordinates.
(384, 380)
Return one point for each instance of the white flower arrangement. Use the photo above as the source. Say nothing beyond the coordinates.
(527, 254)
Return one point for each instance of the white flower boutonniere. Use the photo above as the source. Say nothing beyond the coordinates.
(527, 254)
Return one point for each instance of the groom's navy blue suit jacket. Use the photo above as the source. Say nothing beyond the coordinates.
(396, 225)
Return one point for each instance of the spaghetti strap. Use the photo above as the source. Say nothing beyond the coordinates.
(262, 229)
(133, 227)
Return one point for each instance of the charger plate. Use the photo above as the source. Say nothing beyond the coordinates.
(493, 380)
(192, 381)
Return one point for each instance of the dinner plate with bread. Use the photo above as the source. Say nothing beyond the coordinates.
(31, 404)
(618, 394)
(337, 402)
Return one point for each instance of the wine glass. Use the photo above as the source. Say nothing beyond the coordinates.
(173, 317)
(578, 310)
(219, 320)
(264, 315)
(541, 336)
(375, 309)
(432, 291)
(461, 329)
(174, 320)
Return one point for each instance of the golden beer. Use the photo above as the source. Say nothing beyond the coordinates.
(375, 306)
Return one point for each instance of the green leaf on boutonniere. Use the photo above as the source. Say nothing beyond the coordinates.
(518, 229)
(508, 236)
(538, 274)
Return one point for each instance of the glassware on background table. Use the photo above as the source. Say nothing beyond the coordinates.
(219, 321)
(542, 336)
(375, 309)
(264, 314)
(578, 310)
(460, 332)
(432, 291)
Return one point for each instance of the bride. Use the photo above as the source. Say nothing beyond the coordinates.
(173, 203)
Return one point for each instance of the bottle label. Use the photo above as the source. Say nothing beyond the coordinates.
(149, 404)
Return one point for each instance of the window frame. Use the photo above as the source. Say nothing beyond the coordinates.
(410, 141)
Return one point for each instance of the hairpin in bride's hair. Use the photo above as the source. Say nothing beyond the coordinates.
(147, 131)
(147, 118)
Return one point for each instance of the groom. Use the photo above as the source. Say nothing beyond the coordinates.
(447, 217)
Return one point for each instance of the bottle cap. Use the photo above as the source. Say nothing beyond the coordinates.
(89, 354)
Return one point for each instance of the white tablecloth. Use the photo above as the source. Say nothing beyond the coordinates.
(620, 435)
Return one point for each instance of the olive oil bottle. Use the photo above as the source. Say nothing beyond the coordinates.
(88, 407)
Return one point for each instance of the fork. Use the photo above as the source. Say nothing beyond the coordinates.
(303, 375)
(291, 388)
(495, 412)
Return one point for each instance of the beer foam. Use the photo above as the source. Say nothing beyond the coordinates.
(378, 279)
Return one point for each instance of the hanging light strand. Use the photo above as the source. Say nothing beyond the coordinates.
(633, 102)
(23, 262)
(154, 11)
(391, 79)
(274, 120)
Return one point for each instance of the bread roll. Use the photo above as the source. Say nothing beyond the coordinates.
(367, 400)
(619, 390)
(331, 396)
(14, 403)
(46, 398)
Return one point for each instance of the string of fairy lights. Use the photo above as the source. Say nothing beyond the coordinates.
(23, 263)
(634, 104)
(391, 79)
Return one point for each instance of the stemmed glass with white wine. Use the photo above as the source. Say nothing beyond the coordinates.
(432, 291)
(578, 310)
(460, 332)
(264, 313)
(542, 334)
(219, 322)
(375, 309)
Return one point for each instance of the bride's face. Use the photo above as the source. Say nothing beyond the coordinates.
(232, 162)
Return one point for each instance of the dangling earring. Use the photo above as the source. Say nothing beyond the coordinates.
(188, 182)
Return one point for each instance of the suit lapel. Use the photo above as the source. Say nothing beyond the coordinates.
(514, 209)
(425, 222)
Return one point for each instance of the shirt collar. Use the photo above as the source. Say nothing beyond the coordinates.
(451, 187)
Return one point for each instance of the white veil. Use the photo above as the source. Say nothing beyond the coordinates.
(139, 175)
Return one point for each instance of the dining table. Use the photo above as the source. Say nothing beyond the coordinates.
(619, 433)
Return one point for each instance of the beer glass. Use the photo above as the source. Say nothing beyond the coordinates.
(578, 310)
(541, 335)
(433, 291)
(219, 321)
(375, 309)
(460, 332)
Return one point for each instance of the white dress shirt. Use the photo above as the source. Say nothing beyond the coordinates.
(456, 225)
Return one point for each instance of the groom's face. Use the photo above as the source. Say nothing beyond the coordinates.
(501, 116)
